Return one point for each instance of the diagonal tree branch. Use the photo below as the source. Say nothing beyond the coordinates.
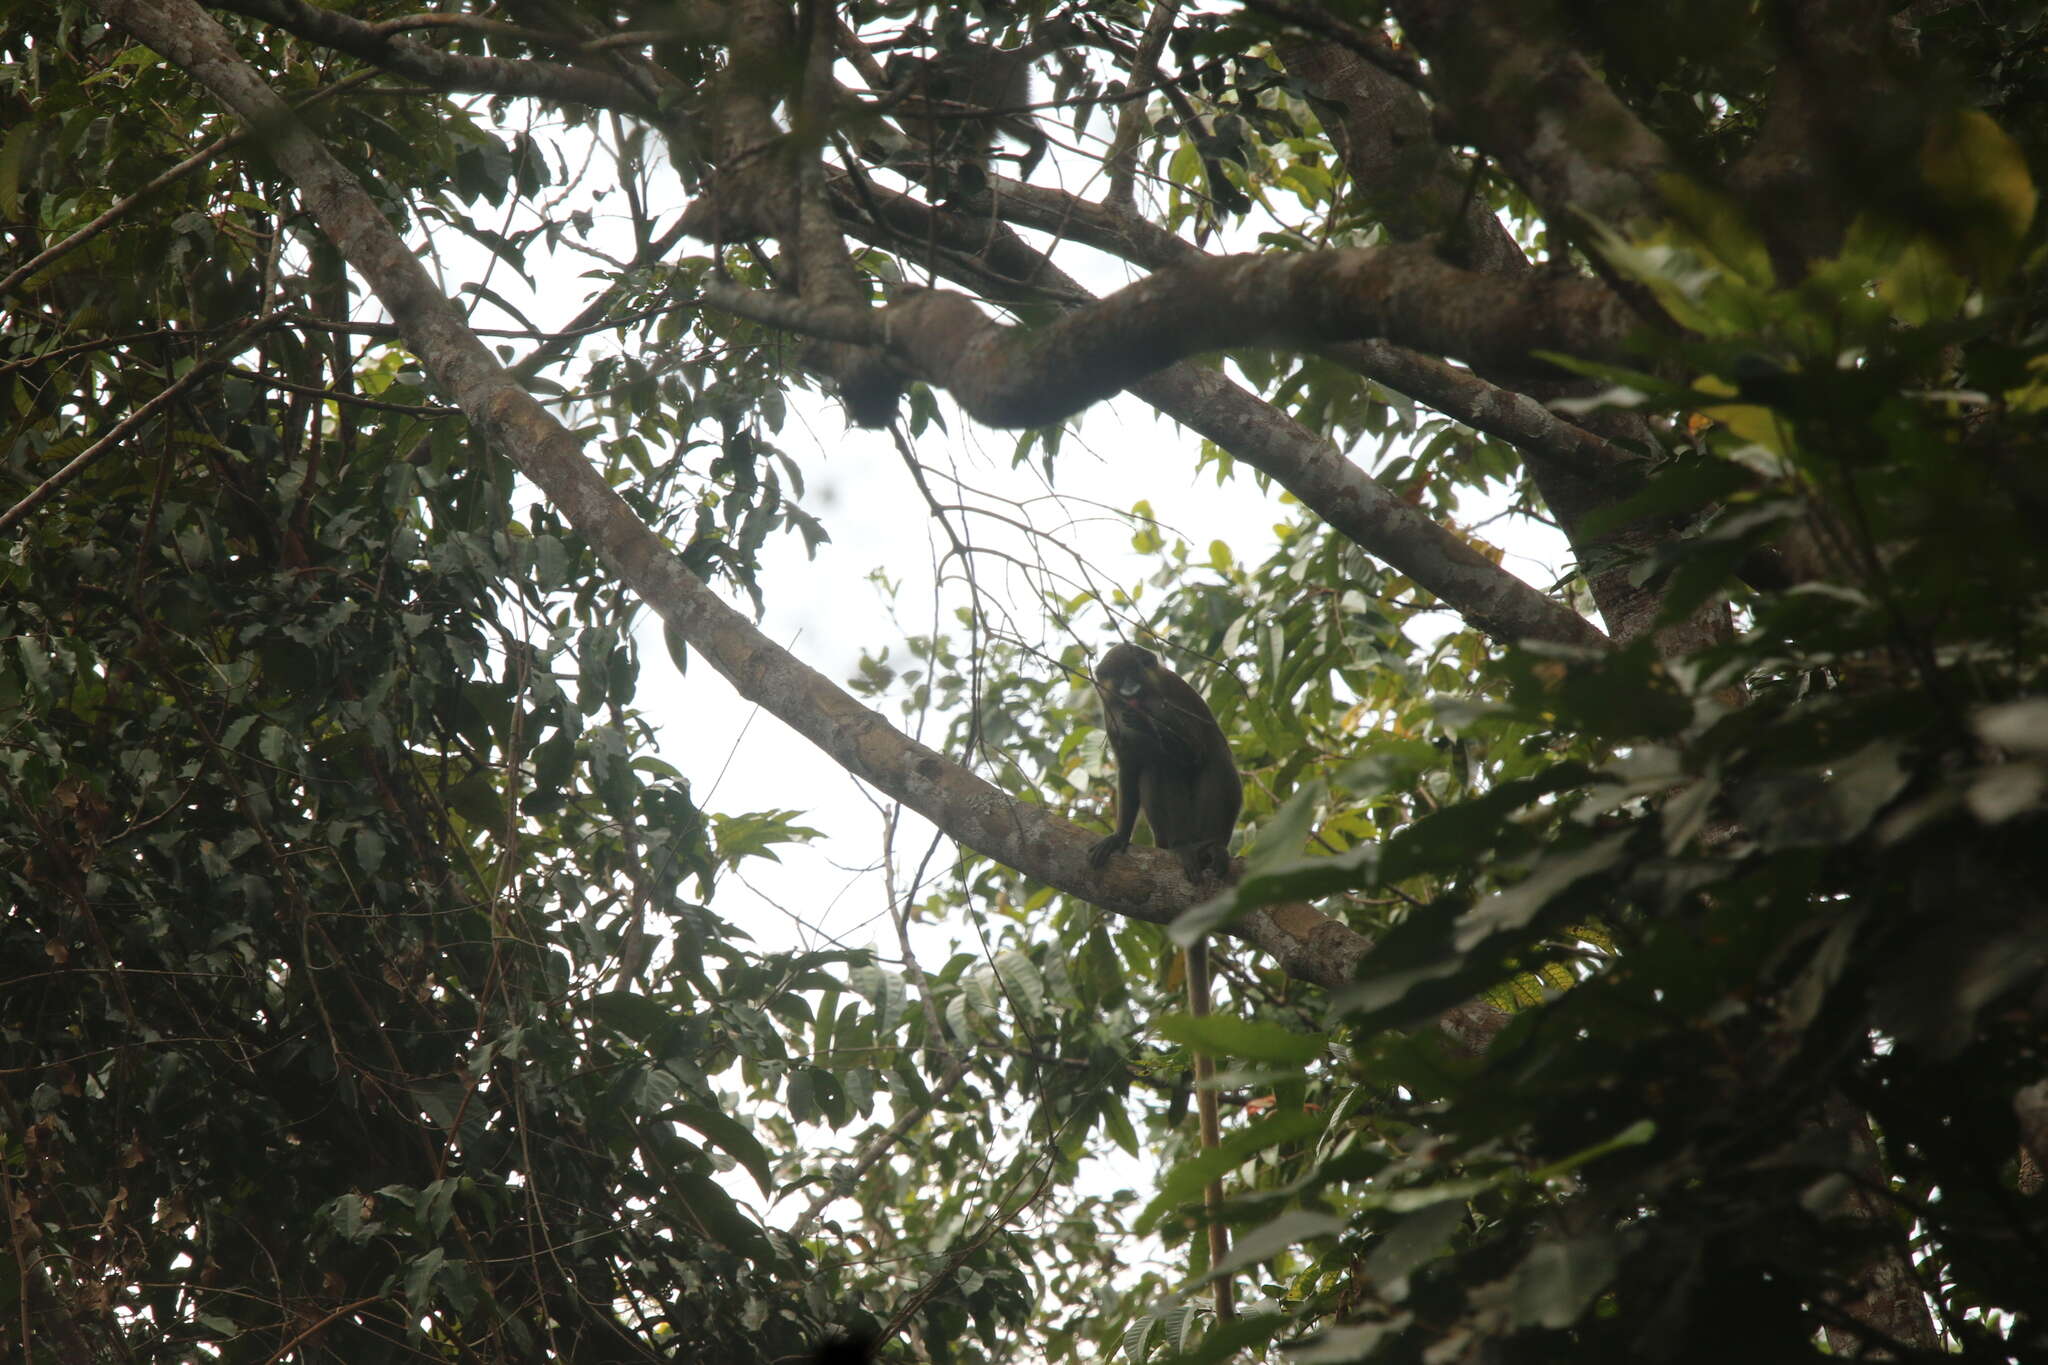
(119, 209)
(1420, 190)
(1382, 129)
(756, 164)
(1838, 124)
(211, 364)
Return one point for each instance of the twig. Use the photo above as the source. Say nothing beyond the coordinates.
(879, 1148)
(1123, 148)
(120, 207)
(204, 369)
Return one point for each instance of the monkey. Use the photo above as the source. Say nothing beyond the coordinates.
(1173, 763)
(958, 100)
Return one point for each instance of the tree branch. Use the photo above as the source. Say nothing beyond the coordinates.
(1538, 107)
(1122, 157)
(1414, 186)
(1422, 191)
(118, 210)
(1457, 393)
(750, 198)
(1837, 128)
(208, 366)
(1022, 377)
(1350, 501)
(447, 71)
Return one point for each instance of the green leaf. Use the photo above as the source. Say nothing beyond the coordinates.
(1188, 1179)
(1508, 911)
(419, 1279)
(755, 835)
(437, 1205)
(732, 1137)
(1558, 1280)
(1921, 285)
(1267, 1241)
(1282, 834)
(883, 990)
(707, 1205)
(1024, 986)
(632, 1014)
(1223, 1035)
(1414, 1241)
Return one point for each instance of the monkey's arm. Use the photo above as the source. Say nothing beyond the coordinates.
(1126, 810)
(1034, 139)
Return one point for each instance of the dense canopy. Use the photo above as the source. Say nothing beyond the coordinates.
(1652, 966)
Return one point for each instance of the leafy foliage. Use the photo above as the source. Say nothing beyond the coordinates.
(365, 996)
(331, 835)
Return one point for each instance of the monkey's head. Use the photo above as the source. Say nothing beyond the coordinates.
(1124, 675)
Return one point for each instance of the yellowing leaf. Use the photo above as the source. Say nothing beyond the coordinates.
(2032, 396)
(1920, 286)
(1718, 226)
(1979, 179)
(1758, 425)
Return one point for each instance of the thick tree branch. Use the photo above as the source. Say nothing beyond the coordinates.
(1421, 191)
(870, 382)
(1147, 885)
(1457, 393)
(1372, 44)
(447, 71)
(1382, 130)
(1021, 377)
(1015, 376)
(1350, 501)
(1122, 159)
(1484, 594)
(1535, 105)
(1837, 130)
(756, 164)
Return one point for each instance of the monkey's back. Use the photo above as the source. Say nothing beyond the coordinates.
(1190, 791)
